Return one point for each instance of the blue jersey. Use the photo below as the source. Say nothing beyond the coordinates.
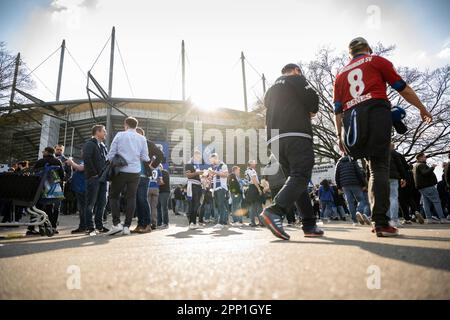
(155, 178)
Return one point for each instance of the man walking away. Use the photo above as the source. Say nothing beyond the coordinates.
(361, 102)
(290, 103)
(426, 182)
(133, 148)
(396, 173)
(350, 178)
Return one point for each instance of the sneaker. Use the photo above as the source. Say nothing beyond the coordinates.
(153, 226)
(252, 225)
(78, 231)
(388, 231)
(312, 232)
(431, 221)
(445, 221)
(395, 224)
(435, 218)
(126, 231)
(359, 218)
(355, 224)
(274, 222)
(102, 230)
(366, 219)
(192, 226)
(419, 218)
(218, 226)
(32, 233)
(407, 222)
(138, 229)
(116, 230)
(164, 226)
(89, 230)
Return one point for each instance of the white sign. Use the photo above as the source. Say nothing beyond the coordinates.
(321, 172)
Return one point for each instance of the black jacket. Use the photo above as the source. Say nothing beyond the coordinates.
(156, 157)
(94, 157)
(396, 168)
(289, 103)
(51, 160)
(424, 175)
(348, 173)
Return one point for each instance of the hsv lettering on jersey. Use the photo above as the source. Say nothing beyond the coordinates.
(364, 78)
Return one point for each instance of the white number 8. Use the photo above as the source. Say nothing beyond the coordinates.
(355, 78)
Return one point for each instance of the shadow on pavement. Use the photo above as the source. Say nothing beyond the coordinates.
(38, 245)
(426, 257)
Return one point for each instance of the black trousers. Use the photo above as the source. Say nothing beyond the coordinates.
(296, 157)
(194, 203)
(379, 188)
(118, 183)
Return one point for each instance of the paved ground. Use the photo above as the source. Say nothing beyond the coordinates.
(235, 263)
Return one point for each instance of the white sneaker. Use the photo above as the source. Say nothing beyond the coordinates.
(218, 226)
(431, 221)
(126, 231)
(395, 224)
(445, 221)
(192, 226)
(366, 219)
(115, 230)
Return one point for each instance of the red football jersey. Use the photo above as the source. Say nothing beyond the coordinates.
(365, 78)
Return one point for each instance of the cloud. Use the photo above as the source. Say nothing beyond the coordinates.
(444, 53)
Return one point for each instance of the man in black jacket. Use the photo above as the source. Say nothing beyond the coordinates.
(350, 178)
(290, 103)
(94, 158)
(426, 182)
(397, 178)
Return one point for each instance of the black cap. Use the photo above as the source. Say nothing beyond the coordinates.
(290, 66)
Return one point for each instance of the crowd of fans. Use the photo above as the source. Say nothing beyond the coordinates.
(129, 180)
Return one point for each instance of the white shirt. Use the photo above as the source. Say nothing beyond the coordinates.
(249, 173)
(132, 147)
(222, 182)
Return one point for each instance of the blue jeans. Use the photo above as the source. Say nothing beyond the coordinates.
(393, 198)
(95, 202)
(430, 197)
(81, 204)
(236, 201)
(163, 208)
(220, 206)
(353, 193)
(142, 206)
(328, 209)
(208, 211)
(254, 209)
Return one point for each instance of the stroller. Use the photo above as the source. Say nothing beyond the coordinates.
(41, 187)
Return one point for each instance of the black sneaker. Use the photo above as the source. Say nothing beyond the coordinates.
(89, 230)
(79, 230)
(55, 231)
(102, 230)
(153, 226)
(274, 222)
(312, 232)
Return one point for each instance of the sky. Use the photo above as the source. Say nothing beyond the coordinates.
(149, 34)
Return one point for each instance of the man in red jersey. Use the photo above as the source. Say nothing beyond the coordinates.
(364, 123)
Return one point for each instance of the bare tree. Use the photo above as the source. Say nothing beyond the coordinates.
(7, 67)
(432, 86)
